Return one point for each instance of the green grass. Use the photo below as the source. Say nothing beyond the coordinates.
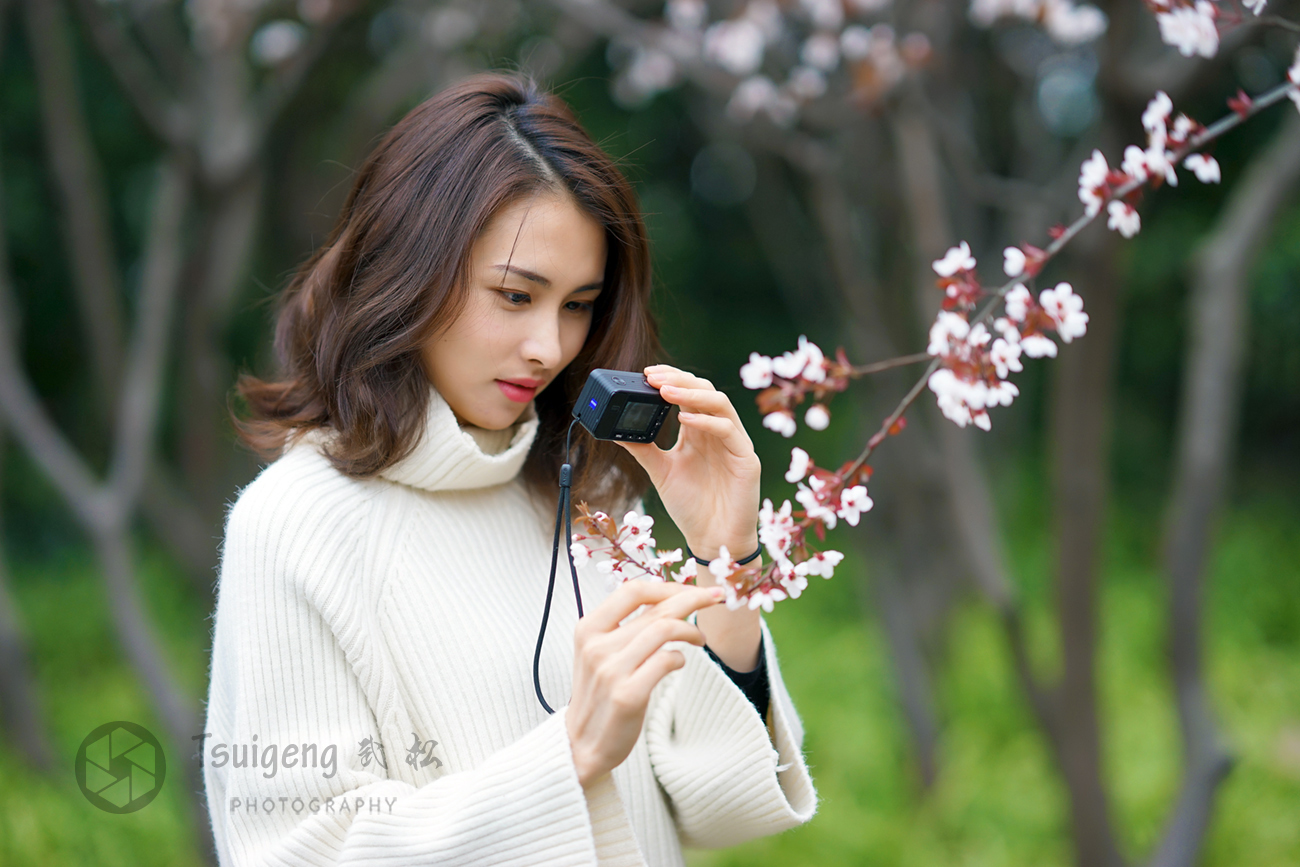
(998, 799)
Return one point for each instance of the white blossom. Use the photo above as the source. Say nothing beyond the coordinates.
(1255, 6)
(799, 462)
(1013, 261)
(581, 553)
(276, 41)
(855, 42)
(1038, 346)
(947, 327)
(821, 51)
(1293, 76)
(1092, 174)
(806, 82)
(1157, 113)
(1073, 25)
(1135, 163)
(758, 372)
(807, 498)
(686, 14)
(818, 417)
(722, 565)
(825, 14)
(956, 259)
(789, 365)
(775, 528)
(781, 421)
(1017, 302)
(735, 44)
(1123, 217)
(853, 502)
(688, 570)
(813, 369)
(1066, 310)
(1190, 29)
(1005, 355)
(821, 563)
(1205, 167)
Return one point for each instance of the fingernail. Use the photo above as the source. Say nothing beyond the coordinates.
(717, 592)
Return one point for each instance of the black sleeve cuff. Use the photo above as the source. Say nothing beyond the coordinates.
(754, 684)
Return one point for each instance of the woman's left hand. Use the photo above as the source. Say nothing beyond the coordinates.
(709, 480)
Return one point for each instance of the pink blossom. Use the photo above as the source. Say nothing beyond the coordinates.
(853, 502)
(1205, 167)
(956, 259)
(1123, 217)
(798, 465)
(818, 417)
(758, 372)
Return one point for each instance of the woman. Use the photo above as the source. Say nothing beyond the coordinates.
(382, 580)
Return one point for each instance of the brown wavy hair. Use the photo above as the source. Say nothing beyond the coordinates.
(352, 320)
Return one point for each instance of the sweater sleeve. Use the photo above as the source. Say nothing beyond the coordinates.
(291, 665)
(731, 775)
(754, 683)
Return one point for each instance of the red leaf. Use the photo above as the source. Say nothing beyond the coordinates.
(821, 531)
(1241, 103)
(897, 427)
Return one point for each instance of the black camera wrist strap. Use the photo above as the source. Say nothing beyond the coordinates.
(562, 511)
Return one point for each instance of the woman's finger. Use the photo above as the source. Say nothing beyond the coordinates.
(701, 400)
(631, 595)
(734, 438)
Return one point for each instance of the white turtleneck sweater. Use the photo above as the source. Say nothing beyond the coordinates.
(372, 614)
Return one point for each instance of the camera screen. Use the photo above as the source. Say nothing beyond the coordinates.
(636, 417)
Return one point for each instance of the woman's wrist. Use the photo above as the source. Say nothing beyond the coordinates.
(710, 549)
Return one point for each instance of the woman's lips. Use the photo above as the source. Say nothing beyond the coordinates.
(517, 393)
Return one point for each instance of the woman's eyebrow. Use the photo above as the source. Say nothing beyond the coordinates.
(534, 277)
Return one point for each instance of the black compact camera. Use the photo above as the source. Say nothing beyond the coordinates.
(620, 405)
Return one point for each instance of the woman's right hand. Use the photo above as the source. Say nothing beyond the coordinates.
(616, 667)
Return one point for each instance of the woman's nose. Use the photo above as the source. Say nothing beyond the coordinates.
(543, 345)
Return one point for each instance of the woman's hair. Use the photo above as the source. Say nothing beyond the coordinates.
(352, 321)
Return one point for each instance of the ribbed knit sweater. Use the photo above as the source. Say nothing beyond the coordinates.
(393, 621)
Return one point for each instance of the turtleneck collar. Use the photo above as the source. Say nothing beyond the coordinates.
(449, 457)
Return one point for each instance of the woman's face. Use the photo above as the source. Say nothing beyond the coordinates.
(523, 325)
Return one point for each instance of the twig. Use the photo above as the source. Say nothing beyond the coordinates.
(1195, 143)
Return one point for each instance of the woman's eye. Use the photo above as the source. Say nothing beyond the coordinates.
(516, 297)
(582, 307)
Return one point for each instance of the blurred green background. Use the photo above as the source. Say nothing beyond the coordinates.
(997, 798)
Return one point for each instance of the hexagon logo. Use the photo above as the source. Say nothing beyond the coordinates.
(120, 767)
